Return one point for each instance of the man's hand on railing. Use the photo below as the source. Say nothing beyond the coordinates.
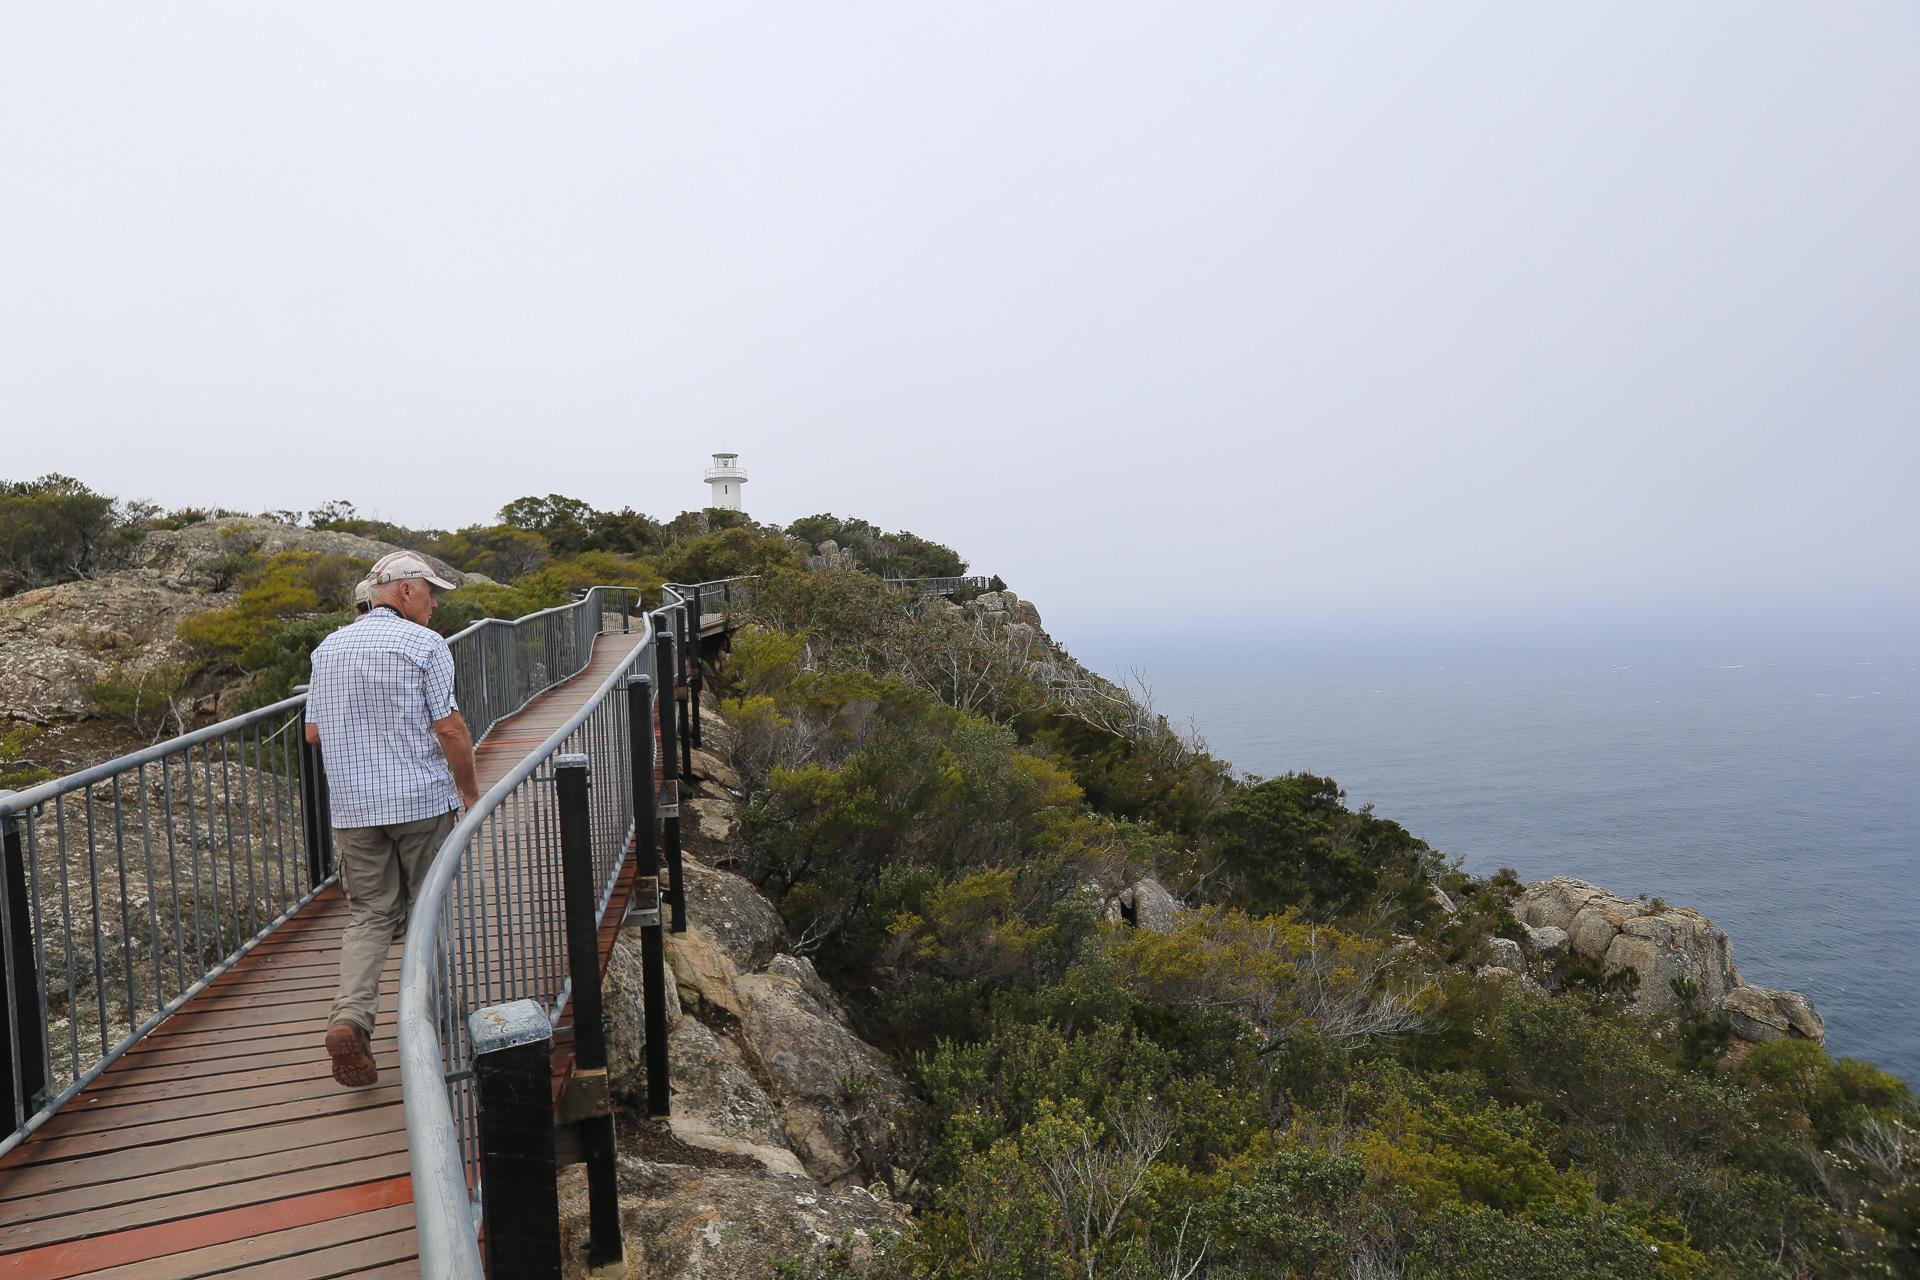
(458, 746)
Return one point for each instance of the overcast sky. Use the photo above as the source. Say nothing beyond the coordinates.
(1365, 312)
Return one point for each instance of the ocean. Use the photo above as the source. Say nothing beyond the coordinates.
(1773, 786)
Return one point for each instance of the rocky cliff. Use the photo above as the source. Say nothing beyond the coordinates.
(56, 642)
(783, 1133)
(1664, 945)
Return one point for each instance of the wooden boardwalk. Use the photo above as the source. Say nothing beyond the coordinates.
(219, 1145)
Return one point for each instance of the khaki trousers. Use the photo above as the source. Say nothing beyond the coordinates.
(380, 870)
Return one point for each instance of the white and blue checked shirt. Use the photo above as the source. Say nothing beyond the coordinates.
(378, 685)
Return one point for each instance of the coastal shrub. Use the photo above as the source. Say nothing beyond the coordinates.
(283, 658)
(502, 552)
(1794, 1087)
(726, 553)
(887, 555)
(1292, 842)
(19, 770)
(149, 699)
(1277, 973)
(56, 529)
(293, 584)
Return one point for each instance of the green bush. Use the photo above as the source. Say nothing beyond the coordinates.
(149, 699)
(18, 771)
(1292, 842)
(56, 529)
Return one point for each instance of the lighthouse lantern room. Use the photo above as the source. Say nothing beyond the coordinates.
(726, 479)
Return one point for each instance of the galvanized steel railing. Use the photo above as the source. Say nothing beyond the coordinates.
(940, 586)
(489, 925)
(727, 597)
(500, 665)
(129, 886)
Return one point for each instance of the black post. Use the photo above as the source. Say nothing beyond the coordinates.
(23, 1051)
(513, 1094)
(695, 680)
(595, 1125)
(316, 811)
(689, 658)
(645, 908)
(670, 772)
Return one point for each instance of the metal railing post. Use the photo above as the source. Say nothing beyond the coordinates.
(513, 1096)
(586, 1103)
(689, 659)
(695, 679)
(644, 908)
(670, 774)
(316, 811)
(23, 1070)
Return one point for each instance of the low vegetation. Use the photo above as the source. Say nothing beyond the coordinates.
(1302, 1077)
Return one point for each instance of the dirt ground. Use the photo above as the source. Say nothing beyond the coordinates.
(71, 747)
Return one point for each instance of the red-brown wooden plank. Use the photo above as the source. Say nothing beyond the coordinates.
(223, 1259)
(79, 1257)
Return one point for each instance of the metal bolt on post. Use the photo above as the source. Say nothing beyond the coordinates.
(513, 1093)
(586, 1103)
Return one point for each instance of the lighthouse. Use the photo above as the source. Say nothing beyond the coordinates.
(726, 479)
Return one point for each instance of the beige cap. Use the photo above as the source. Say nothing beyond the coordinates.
(400, 565)
(362, 593)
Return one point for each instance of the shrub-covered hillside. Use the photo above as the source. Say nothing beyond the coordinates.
(277, 605)
(1298, 1058)
(1299, 1074)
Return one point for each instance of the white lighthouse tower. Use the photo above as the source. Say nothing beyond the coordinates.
(726, 479)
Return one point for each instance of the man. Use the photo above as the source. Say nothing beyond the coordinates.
(400, 768)
(362, 597)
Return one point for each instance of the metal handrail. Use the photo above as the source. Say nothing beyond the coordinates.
(501, 664)
(131, 885)
(486, 928)
(939, 586)
(734, 595)
(446, 960)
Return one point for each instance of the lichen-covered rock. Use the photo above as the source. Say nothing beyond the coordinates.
(1505, 953)
(191, 559)
(1546, 942)
(682, 1223)
(57, 642)
(715, 732)
(737, 916)
(711, 767)
(1146, 903)
(624, 1013)
(711, 818)
(1664, 945)
(718, 1105)
(1661, 944)
(1759, 1014)
(836, 1094)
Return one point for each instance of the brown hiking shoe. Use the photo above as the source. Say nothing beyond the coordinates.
(352, 1055)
